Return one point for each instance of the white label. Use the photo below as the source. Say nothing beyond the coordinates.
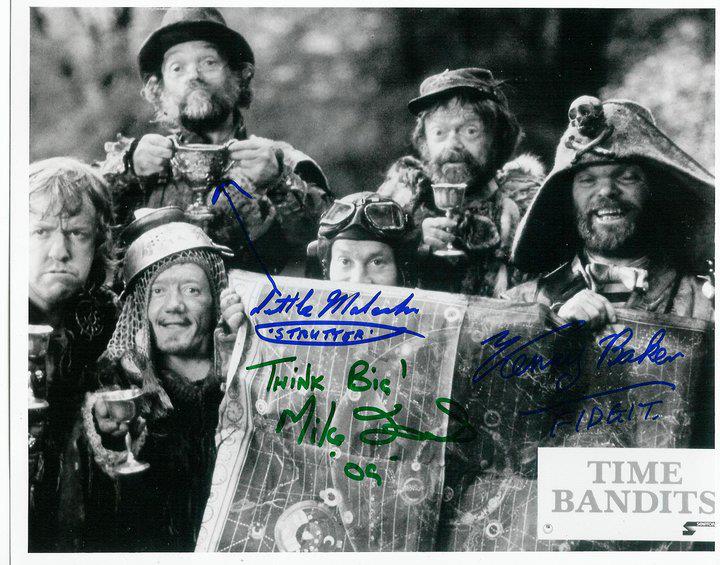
(626, 494)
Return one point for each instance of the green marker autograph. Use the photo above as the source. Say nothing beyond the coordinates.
(389, 429)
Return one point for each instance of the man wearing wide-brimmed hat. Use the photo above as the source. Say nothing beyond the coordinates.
(625, 219)
(465, 133)
(197, 74)
(169, 342)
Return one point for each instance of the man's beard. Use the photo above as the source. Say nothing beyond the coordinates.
(614, 239)
(202, 107)
(458, 166)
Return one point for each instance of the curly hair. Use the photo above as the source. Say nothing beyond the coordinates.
(67, 182)
(495, 114)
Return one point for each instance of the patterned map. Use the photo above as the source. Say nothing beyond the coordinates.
(469, 482)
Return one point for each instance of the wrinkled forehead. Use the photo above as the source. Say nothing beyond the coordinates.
(45, 204)
(360, 249)
(191, 49)
(181, 273)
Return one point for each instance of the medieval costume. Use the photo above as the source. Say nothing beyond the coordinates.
(666, 280)
(161, 508)
(492, 208)
(59, 464)
(280, 222)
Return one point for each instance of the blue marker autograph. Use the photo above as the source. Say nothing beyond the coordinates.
(317, 332)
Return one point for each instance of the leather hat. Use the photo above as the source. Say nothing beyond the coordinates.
(479, 82)
(192, 24)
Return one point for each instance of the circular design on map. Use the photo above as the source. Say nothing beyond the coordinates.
(493, 529)
(234, 412)
(257, 532)
(413, 491)
(347, 517)
(353, 395)
(261, 406)
(492, 418)
(331, 496)
(451, 314)
(415, 466)
(448, 494)
(308, 526)
(547, 528)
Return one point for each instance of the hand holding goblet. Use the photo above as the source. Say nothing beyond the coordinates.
(449, 197)
(121, 406)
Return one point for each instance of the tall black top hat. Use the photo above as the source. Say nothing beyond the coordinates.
(192, 24)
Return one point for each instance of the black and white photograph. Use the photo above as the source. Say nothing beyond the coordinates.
(392, 279)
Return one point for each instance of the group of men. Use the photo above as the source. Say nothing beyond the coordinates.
(624, 219)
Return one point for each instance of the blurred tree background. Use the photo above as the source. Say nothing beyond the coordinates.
(335, 82)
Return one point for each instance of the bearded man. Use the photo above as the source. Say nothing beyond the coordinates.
(465, 133)
(169, 342)
(625, 219)
(196, 73)
(70, 252)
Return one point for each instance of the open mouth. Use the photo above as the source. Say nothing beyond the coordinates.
(609, 215)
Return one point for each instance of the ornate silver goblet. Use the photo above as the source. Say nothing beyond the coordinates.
(201, 165)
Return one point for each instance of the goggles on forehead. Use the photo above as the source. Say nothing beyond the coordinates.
(380, 216)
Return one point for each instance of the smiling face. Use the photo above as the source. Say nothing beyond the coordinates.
(457, 143)
(61, 250)
(608, 202)
(371, 262)
(180, 311)
(199, 89)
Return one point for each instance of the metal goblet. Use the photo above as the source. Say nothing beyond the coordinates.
(202, 165)
(122, 407)
(449, 197)
(38, 343)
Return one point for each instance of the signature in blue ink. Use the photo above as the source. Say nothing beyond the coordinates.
(336, 302)
(337, 332)
(517, 361)
(511, 359)
(615, 415)
(654, 351)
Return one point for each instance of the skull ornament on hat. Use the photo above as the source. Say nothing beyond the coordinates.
(614, 131)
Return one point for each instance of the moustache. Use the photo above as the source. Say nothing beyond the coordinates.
(458, 155)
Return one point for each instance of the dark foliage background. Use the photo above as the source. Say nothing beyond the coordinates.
(335, 82)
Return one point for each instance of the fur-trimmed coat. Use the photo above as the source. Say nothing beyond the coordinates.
(485, 230)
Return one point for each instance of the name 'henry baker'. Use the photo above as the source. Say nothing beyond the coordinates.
(196, 73)
(625, 219)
